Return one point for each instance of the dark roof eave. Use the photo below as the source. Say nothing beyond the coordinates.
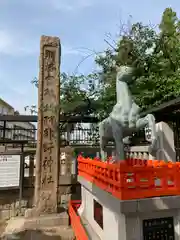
(170, 105)
(34, 118)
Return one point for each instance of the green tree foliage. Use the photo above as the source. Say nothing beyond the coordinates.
(73, 97)
(155, 56)
(76, 94)
(76, 99)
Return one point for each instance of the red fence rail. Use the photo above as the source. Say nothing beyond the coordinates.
(79, 230)
(133, 178)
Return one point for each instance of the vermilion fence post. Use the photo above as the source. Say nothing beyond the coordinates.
(75, 220)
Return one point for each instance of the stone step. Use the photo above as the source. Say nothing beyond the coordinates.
(52, 226)
(50, 220)
(58, 233)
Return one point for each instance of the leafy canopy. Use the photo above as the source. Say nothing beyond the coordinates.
(155, 55)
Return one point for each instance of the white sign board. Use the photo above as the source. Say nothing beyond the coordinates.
(9, 170)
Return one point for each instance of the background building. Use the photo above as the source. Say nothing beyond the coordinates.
(15, 130)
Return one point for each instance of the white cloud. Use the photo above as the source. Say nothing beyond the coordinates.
(14, 94)
(16, 45)
(71, 5)
(66, 50)
(5, 40)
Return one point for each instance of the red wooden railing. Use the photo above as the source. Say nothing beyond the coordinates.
(75, 220)
(132, 178)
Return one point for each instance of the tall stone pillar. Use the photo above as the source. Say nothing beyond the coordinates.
(47, 155)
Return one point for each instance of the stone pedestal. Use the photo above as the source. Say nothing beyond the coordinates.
(165, 146)
(157, 217)
(165, 142)
(67, 177)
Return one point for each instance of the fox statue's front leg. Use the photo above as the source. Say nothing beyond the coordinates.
(103, 135)
(117, 132)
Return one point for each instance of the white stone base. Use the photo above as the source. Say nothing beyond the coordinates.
(123, 220)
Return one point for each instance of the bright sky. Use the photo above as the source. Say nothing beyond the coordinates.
(79, 24)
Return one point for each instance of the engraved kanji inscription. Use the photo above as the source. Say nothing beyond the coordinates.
(48, 147)
(47, 107)
(50, 67)
(49, 133)
(49, 80)
(47, 179)
(50, 55)
(50, 179)
(46, 132)
(159, 228)
(47, 164)
(49, 121)
(49, 92)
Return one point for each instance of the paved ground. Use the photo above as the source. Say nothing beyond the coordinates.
(30, 235)
(2, 228)
(57, 234)
(16, 231)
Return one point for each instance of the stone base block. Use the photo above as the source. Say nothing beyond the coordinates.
(106, 216)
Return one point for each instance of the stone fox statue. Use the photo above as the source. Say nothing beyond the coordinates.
(124, 118)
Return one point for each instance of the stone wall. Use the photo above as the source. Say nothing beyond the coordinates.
(10, 205)
(68, 188)
(9, 199)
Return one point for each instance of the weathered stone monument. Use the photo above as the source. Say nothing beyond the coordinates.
(47, 155)
(44, 214)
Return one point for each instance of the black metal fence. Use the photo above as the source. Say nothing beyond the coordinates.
(14, 136)
(86, 134)
(81, 134)
(18, 134)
